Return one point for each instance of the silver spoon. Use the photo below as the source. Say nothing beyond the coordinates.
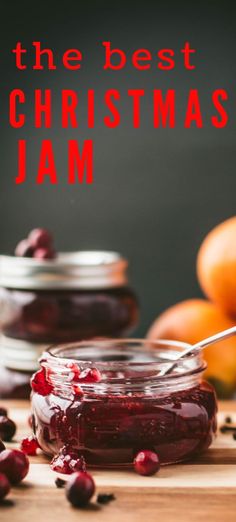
(202, 344)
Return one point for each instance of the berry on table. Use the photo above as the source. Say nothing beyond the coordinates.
(80, 489)
(7, 428)
(146, 463)
(14, 464)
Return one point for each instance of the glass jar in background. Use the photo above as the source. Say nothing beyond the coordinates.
(79, 295)
(105, 401)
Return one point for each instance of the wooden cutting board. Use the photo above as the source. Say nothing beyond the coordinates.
(202, 490)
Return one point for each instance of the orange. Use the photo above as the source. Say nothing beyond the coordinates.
(216, 266)
(193, 320)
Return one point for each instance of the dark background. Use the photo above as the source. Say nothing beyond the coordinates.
(157, 192)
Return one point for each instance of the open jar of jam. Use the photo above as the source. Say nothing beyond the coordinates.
(105, 401)
(75, 296)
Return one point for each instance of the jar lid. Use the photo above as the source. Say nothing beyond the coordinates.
(75, 270)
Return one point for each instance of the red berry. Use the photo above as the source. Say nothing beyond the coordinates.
(14, 464)
(90, 375)
(7, 428)
(4, 486)
(29, 445)
(146, 462)
(44, 253)
(24, 249)
(80, 489)
(2, 447)
(39, 383)
(40, 238)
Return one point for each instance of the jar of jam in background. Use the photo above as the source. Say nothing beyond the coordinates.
(106, 401)
(78, 295)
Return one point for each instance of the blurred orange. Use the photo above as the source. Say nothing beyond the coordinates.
(193, 320)
(216, 266)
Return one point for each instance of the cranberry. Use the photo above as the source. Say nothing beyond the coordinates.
(40, 238)
(146, 462)
(14, 464)
(3, 411)
(80, 488)
(7, 428)
(90, 375)
(2, 447)
(4, 486)
(29, 446)
(44, 253)
(24, 249)
(67, 462)
(39, 383)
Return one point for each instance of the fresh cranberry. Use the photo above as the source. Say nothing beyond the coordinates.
(90, 375)
(2, 447)
(146, 462)
(67, 462)
(39, 383)
(4, 486)
(7, 428)
(3, 411)
(29, 446)
(44, 253)
(40, 238)
(14, 464)
(24, 249)
(80, 489)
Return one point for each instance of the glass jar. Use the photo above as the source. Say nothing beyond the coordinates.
(76, 296)
(106, 401)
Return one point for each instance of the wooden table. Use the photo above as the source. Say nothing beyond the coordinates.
(202, 490)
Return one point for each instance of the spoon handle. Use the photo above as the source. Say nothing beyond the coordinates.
(202, 344)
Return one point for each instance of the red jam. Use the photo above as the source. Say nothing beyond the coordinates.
(62, 316)
(129, 409)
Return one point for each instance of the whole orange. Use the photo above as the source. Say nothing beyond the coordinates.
(193, 320)
(216, 265)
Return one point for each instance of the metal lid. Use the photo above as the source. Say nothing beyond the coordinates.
(74, 270)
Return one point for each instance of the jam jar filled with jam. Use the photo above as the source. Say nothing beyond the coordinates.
(76, 296)
(106, 400)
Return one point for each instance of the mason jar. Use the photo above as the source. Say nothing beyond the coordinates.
(78, 295)
(106, 400)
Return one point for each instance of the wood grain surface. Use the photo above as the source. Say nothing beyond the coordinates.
(205, 488)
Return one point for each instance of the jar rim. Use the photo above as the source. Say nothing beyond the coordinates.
(148, 355)
(84, 269)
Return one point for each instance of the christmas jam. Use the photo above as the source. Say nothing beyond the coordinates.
(75, 296)
(104, 401)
